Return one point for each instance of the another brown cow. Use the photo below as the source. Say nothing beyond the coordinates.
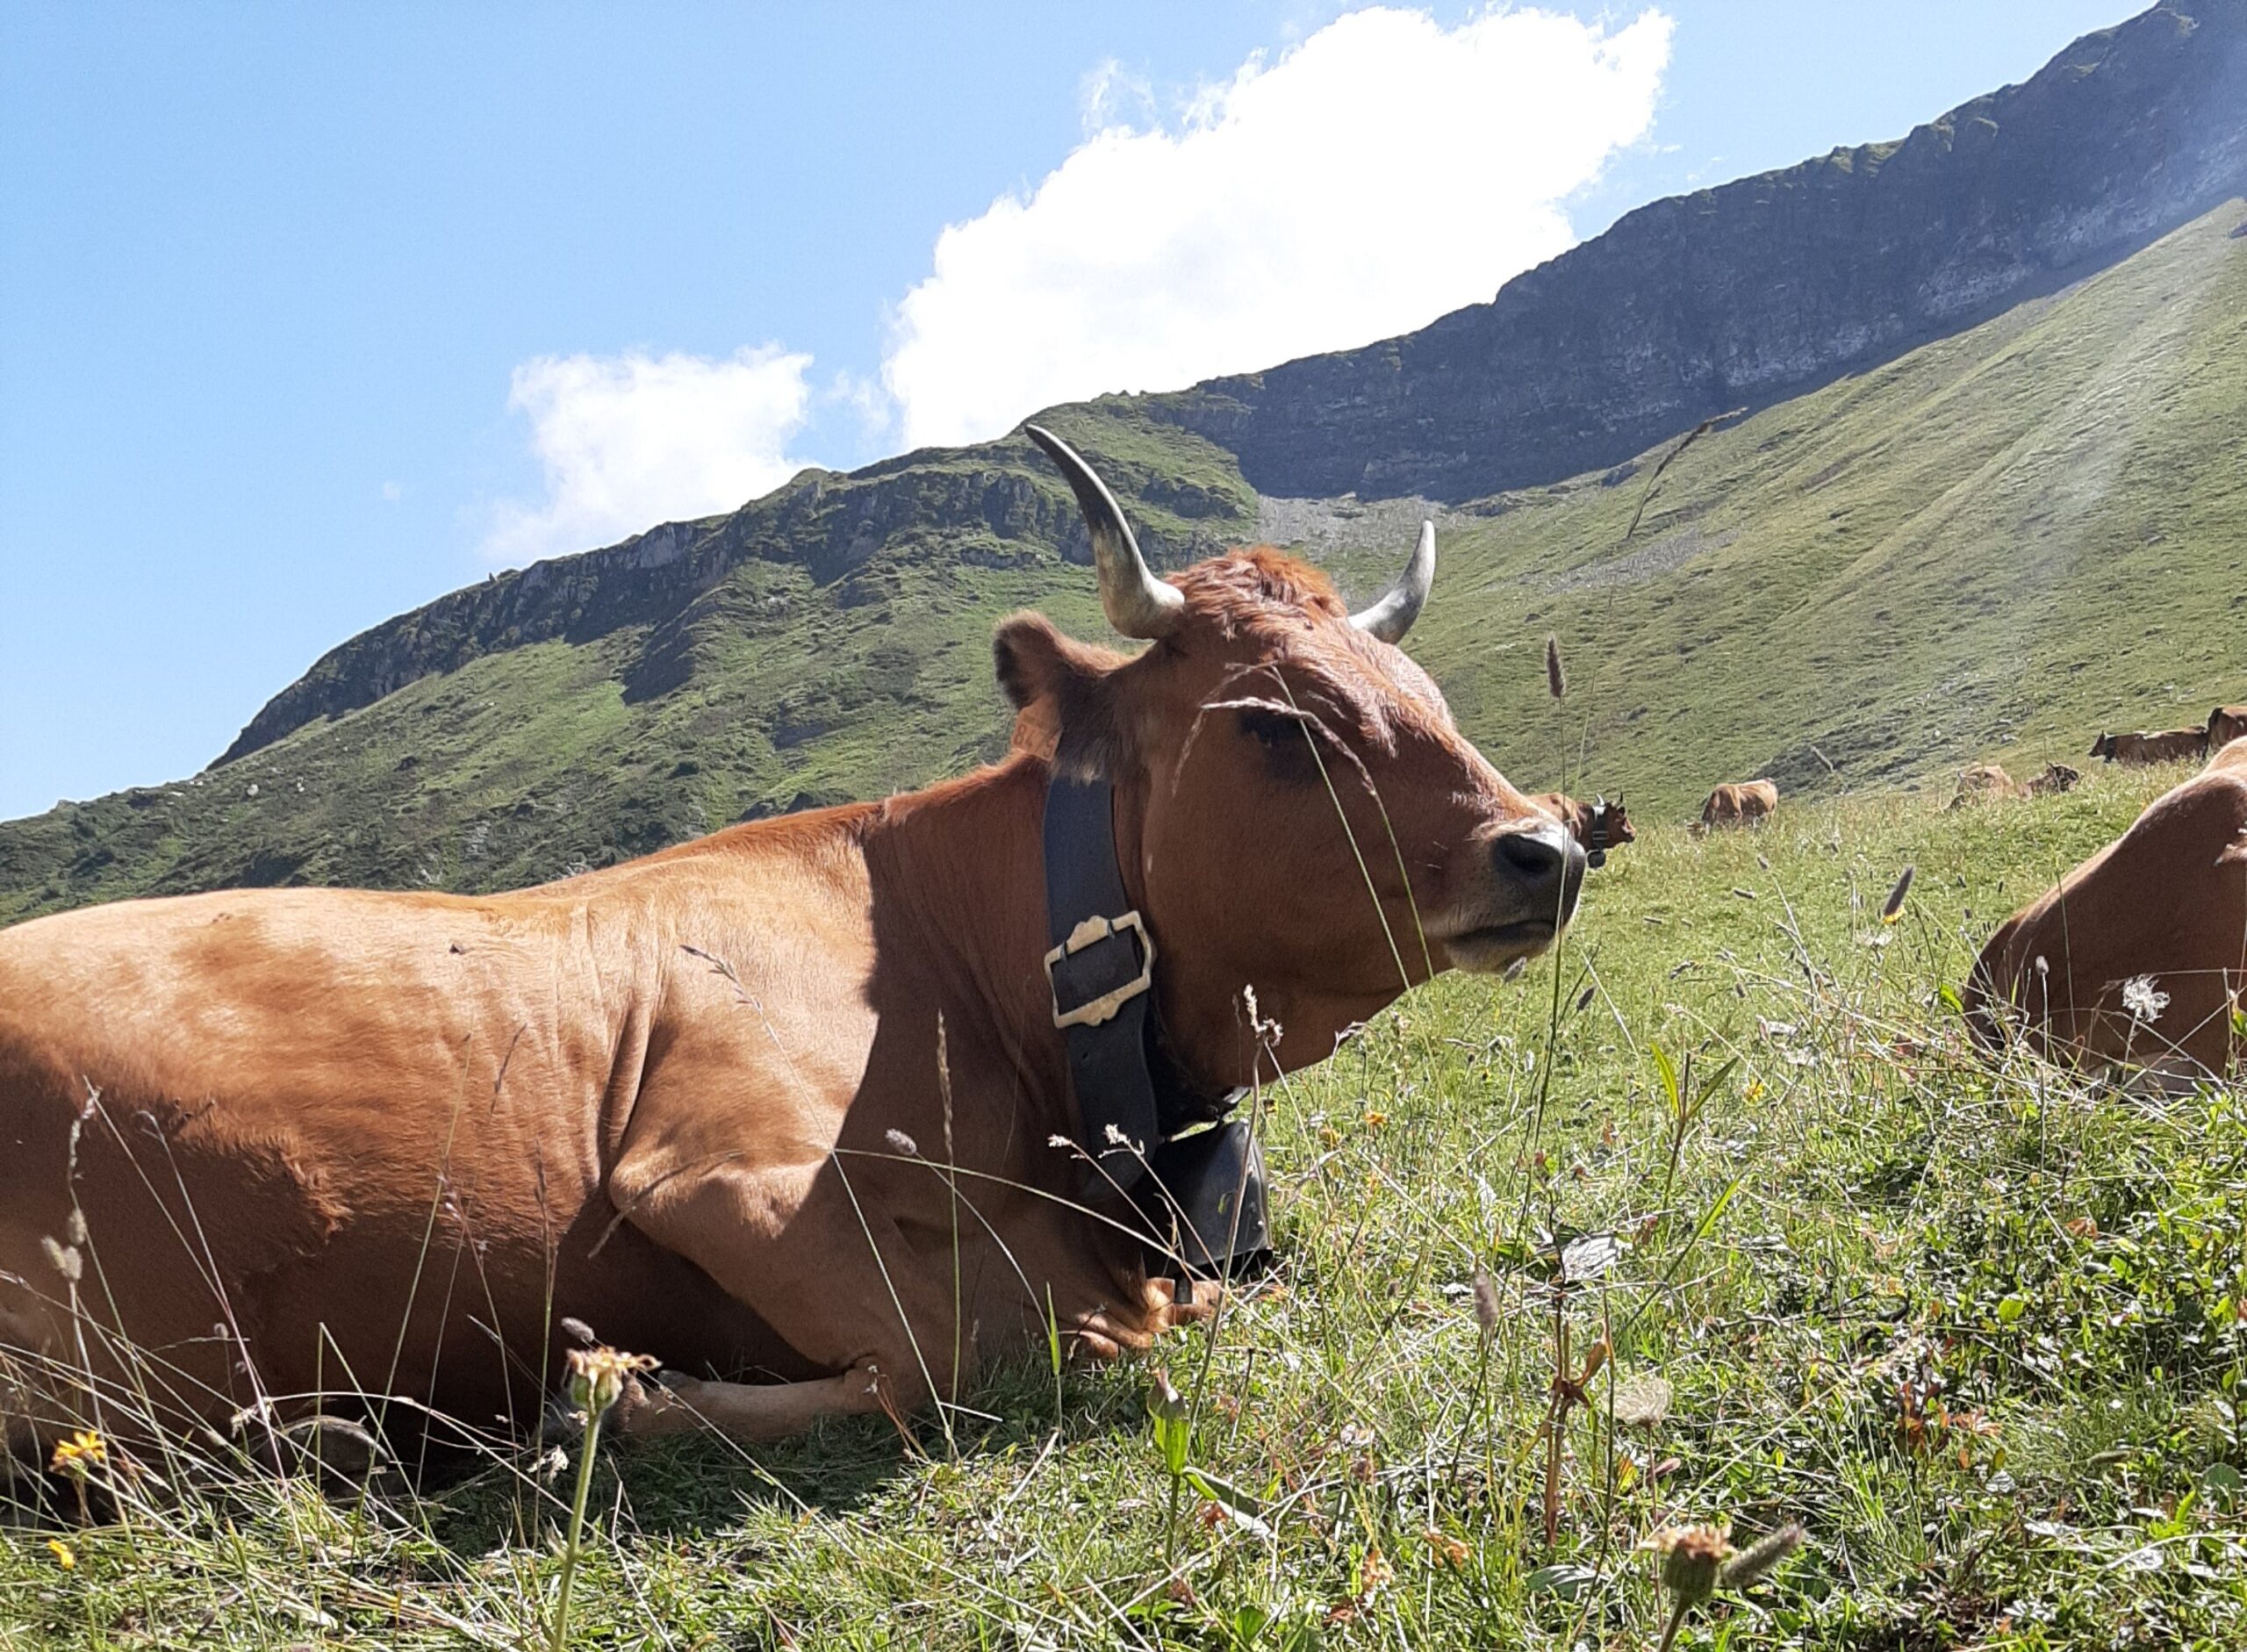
(2137, 957)
(711, 1101)
(1600, 826)
(2141, 750)
(2227, 723)
(1986, 782)
(1745, 804)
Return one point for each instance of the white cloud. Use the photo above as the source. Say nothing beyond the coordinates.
(1383, 171)
(630, 441)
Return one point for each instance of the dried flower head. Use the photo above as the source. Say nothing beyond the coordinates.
(1448, 1550)
(1692, 1558)
(80, 1454)
(2142, 1001)
(1892, 907)
(1642, 1401)
(1556, 678)
(598, 1376)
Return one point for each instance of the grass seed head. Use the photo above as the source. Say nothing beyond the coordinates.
(1556, 678)
(1761, 1557)
(1486, 1301)
(64, 1259)
(1892, 907)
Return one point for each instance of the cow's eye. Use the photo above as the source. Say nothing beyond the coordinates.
(1286, 740)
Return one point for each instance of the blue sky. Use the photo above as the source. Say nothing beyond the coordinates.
(308, 314)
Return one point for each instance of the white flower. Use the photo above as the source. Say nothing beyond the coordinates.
(2140, 999)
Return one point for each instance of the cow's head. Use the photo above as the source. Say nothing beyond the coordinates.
(2103, 747)
(1615, 823)
(1296, 810)
(2059, 777)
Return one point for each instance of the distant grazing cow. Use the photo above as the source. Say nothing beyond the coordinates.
(2140, 750)
(1599, 827)
(1983, 782)
(820, 1101)
(2136, 958)
(2227, 723)
(1744, 804)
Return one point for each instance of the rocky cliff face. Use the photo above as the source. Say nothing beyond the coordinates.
(1769, 286)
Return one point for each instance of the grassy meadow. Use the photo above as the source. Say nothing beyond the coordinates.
(1981, 1333)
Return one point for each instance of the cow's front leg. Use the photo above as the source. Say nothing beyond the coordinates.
(679, 1405)
(830, 1273)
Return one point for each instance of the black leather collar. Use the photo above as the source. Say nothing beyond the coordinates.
(1132, 1102)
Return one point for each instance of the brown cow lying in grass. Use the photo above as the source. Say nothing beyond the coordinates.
(1986, 782)
(788, 1103)
(1600, 826)
(2142, 750)
(1747, 803)
(2137, 958)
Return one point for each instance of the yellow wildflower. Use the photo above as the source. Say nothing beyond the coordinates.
(83, 1452)
(63, 1556)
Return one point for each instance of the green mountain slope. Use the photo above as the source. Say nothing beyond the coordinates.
(1992, 546)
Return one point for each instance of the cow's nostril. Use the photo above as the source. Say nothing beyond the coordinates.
(1548, 862)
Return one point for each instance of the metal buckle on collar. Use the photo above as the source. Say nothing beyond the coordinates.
(1091, 933)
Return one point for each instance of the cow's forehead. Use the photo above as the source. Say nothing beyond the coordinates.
(1260, 611)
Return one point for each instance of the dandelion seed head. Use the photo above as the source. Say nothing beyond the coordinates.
(2141, 999)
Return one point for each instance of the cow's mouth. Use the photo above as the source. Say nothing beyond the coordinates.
(1492, 947)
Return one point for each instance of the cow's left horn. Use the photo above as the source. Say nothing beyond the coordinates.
(1137, 604)
(1393, 614)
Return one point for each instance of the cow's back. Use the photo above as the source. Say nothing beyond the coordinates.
(2167, 900)
(326, 1108)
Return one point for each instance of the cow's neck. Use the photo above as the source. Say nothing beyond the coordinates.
(958, 914)
(960, 897)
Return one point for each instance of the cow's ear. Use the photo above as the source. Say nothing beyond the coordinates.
(1062, 685)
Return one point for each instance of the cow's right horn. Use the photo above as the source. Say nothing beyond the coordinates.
(1392, 614)
(1137, 603)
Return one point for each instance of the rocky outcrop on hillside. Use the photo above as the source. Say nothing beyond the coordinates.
(1764, 287)
(994, 504)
